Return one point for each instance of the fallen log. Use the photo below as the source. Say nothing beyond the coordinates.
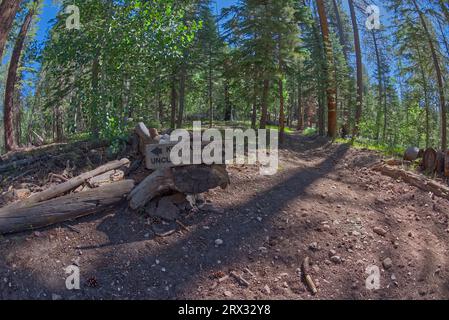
(64, 208)
(156, 184)
(194, 179)
(71, 184)
(106, 178)
(414, 179)
(200, 178)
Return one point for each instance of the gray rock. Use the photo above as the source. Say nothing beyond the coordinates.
(167, 210)
(380, 231)
(336, 259)
(387, 263)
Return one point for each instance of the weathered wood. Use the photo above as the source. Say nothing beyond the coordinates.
(71, 184)
(144, 136)
(200, 178)
(156, 184)
(430, 160)
(106, 178)
(65, 208)
(192, 179)
(440, 162)
(143, 132)
(414, 179)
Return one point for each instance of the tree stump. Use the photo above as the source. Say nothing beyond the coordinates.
(430, 160)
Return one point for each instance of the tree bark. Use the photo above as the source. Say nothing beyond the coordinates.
(300, 105)
(416, 180)
(264, 116)
(426, 96)
(69, 185)
(228, 107)
(358, 53)
(254, 111)
(439, 76)
(182, 96)
(281, 112)
(65, 208)
(10, 143)
(8, 11)
(210, 89)
(174, 102)
(379, 77)
(330, 91)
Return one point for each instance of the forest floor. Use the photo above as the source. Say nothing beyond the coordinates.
(324, 202)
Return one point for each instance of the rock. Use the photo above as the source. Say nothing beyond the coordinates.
(422, 292)
(227, 294)
(267, 289)
(313, 246)
(356, 233)
(336, 259)
(387, 263)
(332, 253)
(167, 210)
(380, 231)
(55, 297)
(219, 242)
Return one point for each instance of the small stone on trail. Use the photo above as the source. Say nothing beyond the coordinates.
(55, 297)
(336, 259)
(228, 294)
(380, 231)
(267, 289)
(218, 242)
(387, 263)
(313, 246)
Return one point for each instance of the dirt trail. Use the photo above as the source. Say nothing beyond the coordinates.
(324, 203)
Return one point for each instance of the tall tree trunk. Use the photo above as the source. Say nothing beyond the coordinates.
(210, 87)
(8, 11)
(438, 74)
(331, 91)
(254, 113)
(358, 53)
(341, 34)
(424, 80)
(300, 104)
(379, 77)
(160, 106)
(384, 138)
(227, 101)
(94, 112)
(10, 87)
(264, 116)
(174, 103)
(182, 96)
(444, 38)
(281, 112)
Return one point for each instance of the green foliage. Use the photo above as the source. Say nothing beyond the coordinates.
(308, 132)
